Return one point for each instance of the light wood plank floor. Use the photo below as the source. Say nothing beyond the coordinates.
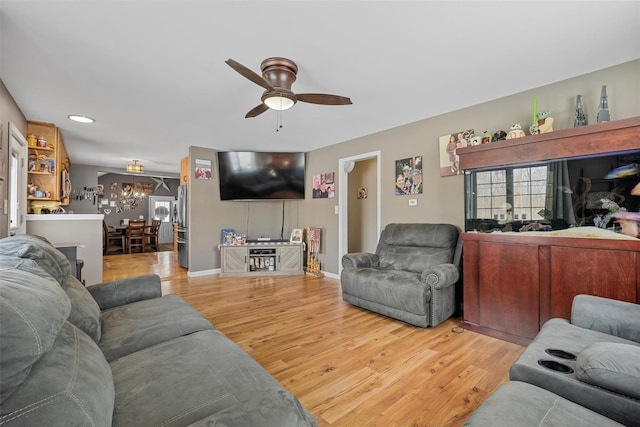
(348, 366)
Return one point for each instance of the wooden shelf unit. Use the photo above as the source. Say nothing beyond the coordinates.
(48, 165)
(261, 259)
(598, 139)
(514, 283)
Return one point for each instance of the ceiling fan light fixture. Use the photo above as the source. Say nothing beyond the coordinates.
(279, 101)
(135, 167)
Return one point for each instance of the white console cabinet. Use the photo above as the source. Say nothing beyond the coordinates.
(259, 259)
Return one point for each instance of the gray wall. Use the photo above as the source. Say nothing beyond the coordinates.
(442, 199)
(87, 176)
(9, 112)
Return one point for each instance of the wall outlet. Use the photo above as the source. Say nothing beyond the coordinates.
(413, 202)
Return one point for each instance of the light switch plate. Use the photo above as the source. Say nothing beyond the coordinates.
(413, 202)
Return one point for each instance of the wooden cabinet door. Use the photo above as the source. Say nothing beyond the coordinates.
(509, 288)
(600, 272)
(234, 259)
(185, 170)
(289, 259)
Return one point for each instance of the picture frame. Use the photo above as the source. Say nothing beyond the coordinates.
(228, 236)
(448, 146)
(408, 176)
(296, 235)
(324, 186)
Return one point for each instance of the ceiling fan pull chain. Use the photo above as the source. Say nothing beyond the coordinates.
(278, 120)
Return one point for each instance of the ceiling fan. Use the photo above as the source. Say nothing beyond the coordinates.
(278, 74)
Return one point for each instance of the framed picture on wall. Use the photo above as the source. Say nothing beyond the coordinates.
(408, 176)
(449, 145)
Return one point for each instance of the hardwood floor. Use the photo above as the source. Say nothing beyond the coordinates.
(348, 366)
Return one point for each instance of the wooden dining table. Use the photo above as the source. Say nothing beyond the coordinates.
(122, 229)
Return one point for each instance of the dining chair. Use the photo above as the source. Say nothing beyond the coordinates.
(135, 235)
(112, 240)
(151, 236)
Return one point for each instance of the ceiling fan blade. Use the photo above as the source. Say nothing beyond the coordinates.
(323, 98)
(256, 111)
(249, 74)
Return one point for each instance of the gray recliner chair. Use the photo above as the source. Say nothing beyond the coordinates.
(411, 277)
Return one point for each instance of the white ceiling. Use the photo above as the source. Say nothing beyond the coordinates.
(152, 73)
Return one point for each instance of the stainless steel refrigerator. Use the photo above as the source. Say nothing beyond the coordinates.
(182, 220)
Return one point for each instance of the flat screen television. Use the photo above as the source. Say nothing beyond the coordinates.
(249, 175)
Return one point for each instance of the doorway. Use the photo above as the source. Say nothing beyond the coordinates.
(345, 166)
(161, 207)
(17, 185)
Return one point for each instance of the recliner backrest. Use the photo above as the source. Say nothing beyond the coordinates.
(416, 247)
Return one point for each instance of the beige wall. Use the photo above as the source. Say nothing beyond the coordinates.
(442, 199)
(9, 112)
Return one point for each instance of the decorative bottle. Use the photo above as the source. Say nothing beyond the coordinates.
(580, 118)
(603, 110)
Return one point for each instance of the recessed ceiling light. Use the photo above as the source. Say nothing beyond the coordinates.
(80, 119)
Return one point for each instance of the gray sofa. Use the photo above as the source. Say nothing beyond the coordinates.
(119, 353)
(582, 372)
(411, 277)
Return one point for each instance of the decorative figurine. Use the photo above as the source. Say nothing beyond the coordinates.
(545, 122)
(533, 129)
(542, 122)
(580, 119)
(487, 137)
(515, 132)
(603, 109)
(499, 135)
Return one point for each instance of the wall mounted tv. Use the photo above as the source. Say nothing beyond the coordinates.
(249, 175)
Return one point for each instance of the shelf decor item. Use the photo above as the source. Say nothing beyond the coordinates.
(313, 247)
(515, 132)
(603, 109)
(228, 236)
(542, 122)
(580, 119)
(296, 235)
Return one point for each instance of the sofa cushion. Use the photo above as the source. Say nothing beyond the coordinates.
(40, 250)
(132, 327)
(416, 247)
(203, 377)
(402, 290)
(71, 384)
(85, 313)
(33, 308)
(612, 366)
(562, 335)
(518, 404)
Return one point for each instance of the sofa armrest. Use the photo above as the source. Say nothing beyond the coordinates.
(609, 316)
(359, 260)
(441, 276)
(126, 291)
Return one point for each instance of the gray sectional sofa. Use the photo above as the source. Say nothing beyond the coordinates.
(119, 353)
(584, 372)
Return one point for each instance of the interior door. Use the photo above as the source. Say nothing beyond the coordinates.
(161, 207)
(17, 186)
